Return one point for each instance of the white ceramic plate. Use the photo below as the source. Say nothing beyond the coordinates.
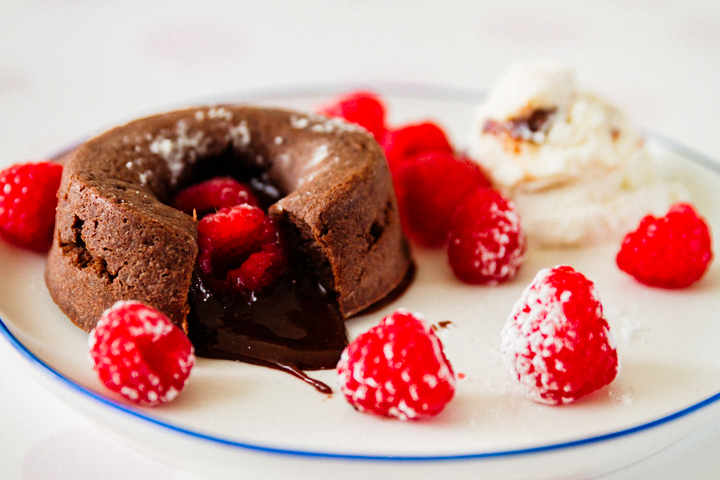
(236, 416)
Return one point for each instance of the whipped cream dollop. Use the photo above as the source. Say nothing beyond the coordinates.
(573, 163)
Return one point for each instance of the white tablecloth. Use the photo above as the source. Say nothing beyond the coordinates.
(71, 67)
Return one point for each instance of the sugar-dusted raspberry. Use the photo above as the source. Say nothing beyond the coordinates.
(363, 108)
(486, 241)
(240, 249)
(673, 251)
(556, 341)
(212, 195)
(402, 144)
(429, 188)
(140, 354)
(397, 369)
(28, 197)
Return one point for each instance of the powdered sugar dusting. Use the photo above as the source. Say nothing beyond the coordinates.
(139, 353)
(219, 112)
(376, 376)
(625, 399)
(179, 148)
(145, 176)
(510, 260)
(526, 341)
(299, 122)
(628, 324)
(319, 155)
(321, 124)
(139, 164)
(539, 337)
(316, 165)
(240, 135)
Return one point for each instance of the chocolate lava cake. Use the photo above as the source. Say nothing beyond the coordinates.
(331, 194)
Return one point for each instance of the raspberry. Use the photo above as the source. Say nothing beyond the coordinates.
(404, 143)
(673, 251)
(556, 341)
(486, 242)
(212, 195)
(240, 249)
(397, 369)
(140, 354)
(429, 189)
(363, 108)
(28, 197)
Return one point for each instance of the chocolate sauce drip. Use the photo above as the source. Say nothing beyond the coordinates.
(292, 325)
(296, 372)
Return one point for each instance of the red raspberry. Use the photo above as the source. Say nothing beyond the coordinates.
(212, 195)
(556, 341)
(397, 369)
(140, 354)
(673, 251)
(404, 143)
(486, 242)
(363, 108)
(240, 249)
(429, 188)
(28, 197)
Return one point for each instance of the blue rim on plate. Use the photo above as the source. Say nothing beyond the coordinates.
(46, 369)
(397, 89)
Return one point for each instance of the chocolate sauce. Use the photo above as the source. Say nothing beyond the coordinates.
(296, 372)
(292, 325)
(439, 325)
(522, 127)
